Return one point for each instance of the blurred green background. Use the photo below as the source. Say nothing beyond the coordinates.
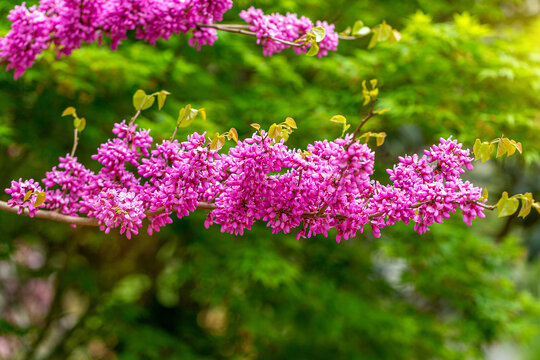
(463, 68)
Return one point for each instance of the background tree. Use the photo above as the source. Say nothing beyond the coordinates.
(192, 292)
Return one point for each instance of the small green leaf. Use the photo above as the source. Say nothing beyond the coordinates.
(320, 33)
(138, 99)
(162, 96)
(503, 146)
(476, 149)
(79, 124)
(485, 194)
(40, 199)
(506, 206)
(203, 114)
(70, 111)
(536, 205)
(359, 24)
(181, 116)
(526, 204)
(346, 32)
(340, 119)
(380, 138)
(28, 194)
(290, 121)
(313, 50)
(381, 111)
(272, 132)
(485, 151)
(255, 126)
(234, 134)
(147, 102)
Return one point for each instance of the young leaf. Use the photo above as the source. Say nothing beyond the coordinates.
(203, 114)
(314, 49)
(320, 33)
(70, 111)
(507, 206)
(381, 111)
(290, 121)
(40, 199)
(502, 147)
(476, 149)
(485, 151)
(358, 25)
(162, 96)
(79, 124)
(255, 126)
(536, 205)
(138, 99)
(526, 204)
(147, 102)
(485, 194)
(234, 134)
(380, 138)
(272, 132)
(28, 194)
(340, 119)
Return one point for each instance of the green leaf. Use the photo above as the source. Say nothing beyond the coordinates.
(485, 151)
(506, 206)
(340, 119)
(381, 111)
(485, 194)
(273, 132)
(138, 99)
(290, 121)
(203, 114)
(503, 147)
(40, 199)
(28, 194)
(148, 101)
(380, 138)
(69, 111)
(346, 32)
(79, 124)
(313, 50)
(234, 134)
(536, 205)
(162, 96)
(358, 25)
(320, 33)
(526, 204)
(476, 149)
(255, 126)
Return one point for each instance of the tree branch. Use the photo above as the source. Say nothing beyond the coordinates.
(86, 221)
(241, 29)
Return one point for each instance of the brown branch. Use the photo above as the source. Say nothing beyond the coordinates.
(86, 221)
(242, 30)
(364, 121)
(83, 221)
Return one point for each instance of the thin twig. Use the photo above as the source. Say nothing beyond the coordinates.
(75, 142)
(241, 30)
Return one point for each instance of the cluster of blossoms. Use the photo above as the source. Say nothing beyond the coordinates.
(66, 24)
(327, 186)
(286, 27)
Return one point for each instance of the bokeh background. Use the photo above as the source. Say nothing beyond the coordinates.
(467, 69)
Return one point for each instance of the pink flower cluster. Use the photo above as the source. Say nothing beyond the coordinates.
(287, 27)
(327, 186)
(68, 23)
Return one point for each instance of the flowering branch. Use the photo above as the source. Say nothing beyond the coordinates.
(241, 29)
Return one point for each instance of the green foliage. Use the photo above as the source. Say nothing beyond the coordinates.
(192, 293)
